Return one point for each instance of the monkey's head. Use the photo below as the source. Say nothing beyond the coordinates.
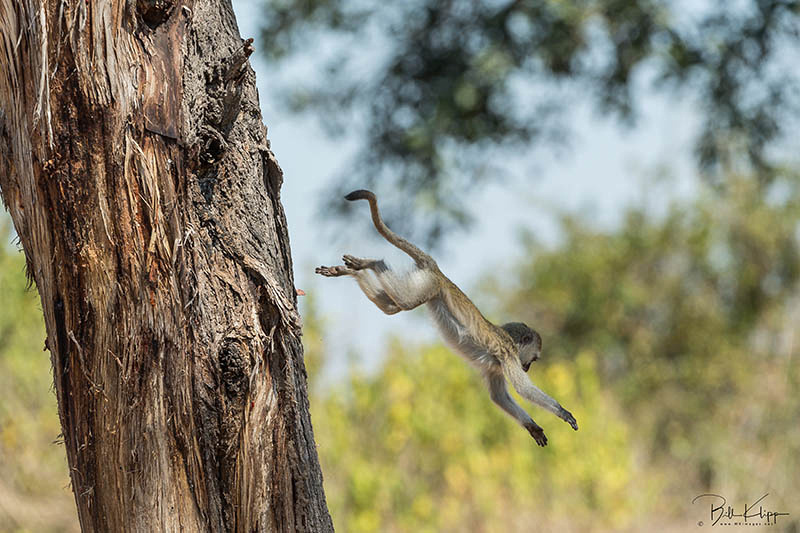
(527, 340)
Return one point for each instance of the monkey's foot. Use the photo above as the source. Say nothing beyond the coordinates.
(357, 263)
(538, 435)
(567, 417)
(334, 271)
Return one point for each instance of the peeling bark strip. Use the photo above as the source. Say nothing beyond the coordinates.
(136, 169)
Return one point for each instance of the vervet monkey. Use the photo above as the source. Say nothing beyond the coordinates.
(499, 353)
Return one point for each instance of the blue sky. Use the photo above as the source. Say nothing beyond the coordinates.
(605, 168)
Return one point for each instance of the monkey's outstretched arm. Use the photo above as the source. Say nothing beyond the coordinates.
(407, 291)
(519, 380)
(500, 396)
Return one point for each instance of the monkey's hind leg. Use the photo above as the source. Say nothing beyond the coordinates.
(334, 271)
(368, 283)
(405, 291)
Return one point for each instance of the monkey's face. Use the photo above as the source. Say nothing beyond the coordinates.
(529, 343)
(530, 351)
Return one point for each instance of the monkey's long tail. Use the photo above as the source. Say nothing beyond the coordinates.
(420, 257)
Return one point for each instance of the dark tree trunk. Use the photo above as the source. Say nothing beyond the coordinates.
(137, 171)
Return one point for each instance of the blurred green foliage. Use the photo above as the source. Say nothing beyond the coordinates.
(34, 484)
(696, 317)
(419, 447)
(431, 86)
(674, 341)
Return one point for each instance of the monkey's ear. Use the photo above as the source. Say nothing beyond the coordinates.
(300, 292)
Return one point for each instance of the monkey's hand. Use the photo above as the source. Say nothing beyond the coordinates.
(537, 433)
(567, 417)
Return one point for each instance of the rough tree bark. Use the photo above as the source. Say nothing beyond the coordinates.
(136, 168)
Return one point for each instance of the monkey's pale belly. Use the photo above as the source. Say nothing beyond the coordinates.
(457, 337)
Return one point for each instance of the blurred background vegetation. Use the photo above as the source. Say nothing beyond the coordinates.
(433, 86)
(673, 336)
(673, 339)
